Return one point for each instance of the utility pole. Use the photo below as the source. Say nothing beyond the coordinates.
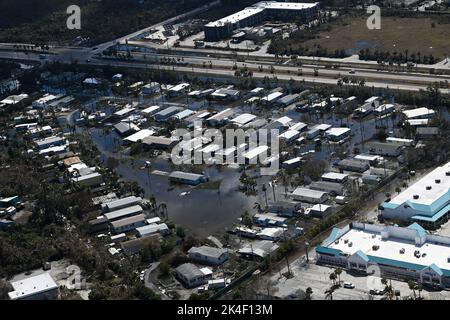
(306, 250)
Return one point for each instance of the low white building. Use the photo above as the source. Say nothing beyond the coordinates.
(419, 113)
(40, 287)
(208, 255)
(310, 196)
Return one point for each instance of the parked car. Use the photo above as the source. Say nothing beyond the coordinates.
(349, 285)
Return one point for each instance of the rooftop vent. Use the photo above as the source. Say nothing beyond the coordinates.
(437, 180)
(428, 187)
(416, 196)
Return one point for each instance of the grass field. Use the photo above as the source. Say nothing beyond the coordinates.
(396, 34)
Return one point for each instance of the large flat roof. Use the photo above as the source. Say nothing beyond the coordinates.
(389, 249)
(258, 8)
(426, 197)
(31, 286)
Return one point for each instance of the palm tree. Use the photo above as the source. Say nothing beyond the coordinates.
(338, 272)
(308, 292)
(419, 288)
(412, 286)
(333, 278)
(329, 294)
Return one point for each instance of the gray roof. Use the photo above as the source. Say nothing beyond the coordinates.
(427, 130)
(121, 203)
(157, 140)
(168, 112)
(49, 140)
(123, 127)
(123, 212)
(127, 221)
(207, 251)
(305, 192)
(189, 271)
(185, 175)
(327, 186)
(354, 163)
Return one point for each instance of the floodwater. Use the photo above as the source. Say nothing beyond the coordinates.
(200, 210)
(204, 211)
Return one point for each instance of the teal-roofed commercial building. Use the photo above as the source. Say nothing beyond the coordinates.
(426, 202)
(409, 253)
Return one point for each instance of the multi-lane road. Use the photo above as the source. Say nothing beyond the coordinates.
(214, 63)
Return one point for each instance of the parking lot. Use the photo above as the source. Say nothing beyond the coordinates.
(317, 277)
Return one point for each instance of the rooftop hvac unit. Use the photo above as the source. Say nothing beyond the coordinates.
(375, 247)
(437, 180)
(402, 251)
(350, 244)
(448, 259)
(416, 196)
(428, 187)
(447, 173)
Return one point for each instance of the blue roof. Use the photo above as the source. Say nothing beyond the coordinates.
(436, 269)
(333, 236)
(329, 251)
(434, 217)
(396, 263)
(362, 255)
(415, 226)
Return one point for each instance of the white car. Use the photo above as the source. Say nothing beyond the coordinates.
(349, 285)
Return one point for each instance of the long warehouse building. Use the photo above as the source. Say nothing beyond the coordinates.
(426, 202)
(259, 12)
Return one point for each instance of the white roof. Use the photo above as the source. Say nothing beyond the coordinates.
(271, 232)
(255, 152)
(289, 134)
(31, 286)
(320, 207)
(372, 99)
(298, 126)
(284, 120)
(390, 248)
(323, 127)
(426, 197)
(384, 107)
(418, 122)
(336, 132)
(367, 157)
(272, 96)
(153, 220)
(90, 81)
(180, 87)
(309, 193)
(334, 176)
(206, 271)
(150, 110)
(293, 160)
(286, 5)
(257, 89)
(417, 113)
(124, 111)
(14, 99)
(235, 17)
(140, 135)
(258, 8)
(243, 119)
(394, 139)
